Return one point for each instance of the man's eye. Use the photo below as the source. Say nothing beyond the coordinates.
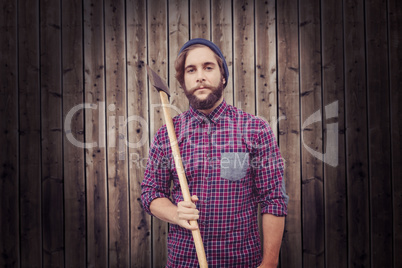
(190, 70)
(208, 68)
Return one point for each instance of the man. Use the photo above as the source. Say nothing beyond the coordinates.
(232, 163)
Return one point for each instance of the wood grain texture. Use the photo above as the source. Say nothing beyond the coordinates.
(265, 71)
(137, 97)
(334, 135)
(244, 71)
(395, 57)
(30, 138)
(116, 115)
(158, 61)
(312, 166)
(221, 27)
(178, 36)
(200, 18)
(9, 169)
(74, 169)
(289, 127)
(95, 135)
(356, 135)
(52, 149)
(379, 144)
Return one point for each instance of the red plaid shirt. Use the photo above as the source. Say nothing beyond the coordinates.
(232, 163)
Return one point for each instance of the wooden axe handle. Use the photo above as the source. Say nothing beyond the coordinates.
(199, 246)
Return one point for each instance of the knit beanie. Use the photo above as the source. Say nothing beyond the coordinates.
(214, 48)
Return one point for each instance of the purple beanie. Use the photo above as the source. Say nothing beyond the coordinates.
(214, 48)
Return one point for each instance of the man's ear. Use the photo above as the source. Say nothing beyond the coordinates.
(223, 80)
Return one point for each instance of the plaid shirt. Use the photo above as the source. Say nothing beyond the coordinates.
(232, 163)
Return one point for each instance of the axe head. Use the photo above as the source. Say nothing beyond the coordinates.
(157, 81)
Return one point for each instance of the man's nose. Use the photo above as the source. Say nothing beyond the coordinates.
(200, 76)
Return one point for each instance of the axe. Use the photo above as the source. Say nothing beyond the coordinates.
(163, 89)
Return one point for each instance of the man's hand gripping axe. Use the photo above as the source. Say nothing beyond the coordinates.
(163, 89)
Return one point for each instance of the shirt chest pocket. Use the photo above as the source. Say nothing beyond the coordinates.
(234, 166)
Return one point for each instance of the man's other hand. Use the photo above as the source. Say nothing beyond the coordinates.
(187, 211)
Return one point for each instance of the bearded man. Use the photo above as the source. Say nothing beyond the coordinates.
(232, 163)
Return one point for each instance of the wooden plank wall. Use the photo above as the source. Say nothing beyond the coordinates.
(78, 115)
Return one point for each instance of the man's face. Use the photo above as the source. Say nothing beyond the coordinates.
(202, 78)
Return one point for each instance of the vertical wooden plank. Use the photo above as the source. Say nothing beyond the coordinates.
(200, 19)
(74, 171)
(95, 135)
(379, 138)
(334, 135)
(289, 127)
(244, 86)
(116, 112)
(137, 96)
(52, 151)
(265, 61)
(178, 35)
(9, 183)
(157, 60)
(312, 173)
(30, 139)
(356, 135)
(266, 83)
(221, 24)
(395, 57)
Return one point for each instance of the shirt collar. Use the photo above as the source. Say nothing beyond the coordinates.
(213, 116)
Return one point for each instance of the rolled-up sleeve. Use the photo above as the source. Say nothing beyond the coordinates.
(268, 167)
(156, 182)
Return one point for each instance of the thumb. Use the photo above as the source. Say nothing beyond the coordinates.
(194, 198)
(186, 224)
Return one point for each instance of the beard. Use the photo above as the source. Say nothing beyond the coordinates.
(209, 101)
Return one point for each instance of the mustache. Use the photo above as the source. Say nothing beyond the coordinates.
(201, 85)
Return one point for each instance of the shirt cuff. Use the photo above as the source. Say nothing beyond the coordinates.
(148, 197)
(275, 207)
